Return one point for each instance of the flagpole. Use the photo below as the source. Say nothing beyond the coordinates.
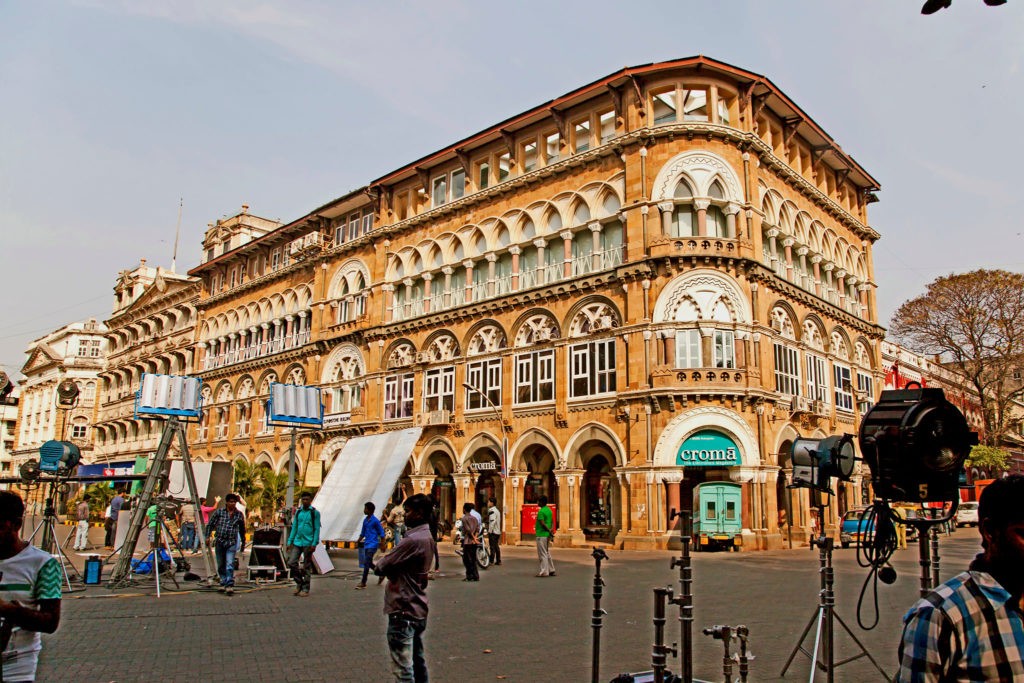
(177, 234)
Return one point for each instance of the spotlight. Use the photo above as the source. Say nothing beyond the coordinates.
(817, 461)
(67, 393)
(6, 386)
(56, 456)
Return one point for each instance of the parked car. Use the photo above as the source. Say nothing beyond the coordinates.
(854, 529)
(967, 514)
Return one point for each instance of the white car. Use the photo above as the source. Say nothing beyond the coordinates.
(967, 514)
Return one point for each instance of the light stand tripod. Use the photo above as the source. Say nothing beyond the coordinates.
(825, 616)
(48, 542)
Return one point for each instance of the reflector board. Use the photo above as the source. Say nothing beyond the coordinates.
(169, 395)
(295, 404)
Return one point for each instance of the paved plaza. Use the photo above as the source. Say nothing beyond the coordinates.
(510, 626)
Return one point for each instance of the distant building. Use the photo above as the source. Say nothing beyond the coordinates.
(76, 351)
(8, 425)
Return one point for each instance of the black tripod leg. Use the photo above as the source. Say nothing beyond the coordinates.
(800, 641)
(859, 644)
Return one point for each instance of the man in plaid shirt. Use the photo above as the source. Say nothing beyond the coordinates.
(971, 628)
(228, 523)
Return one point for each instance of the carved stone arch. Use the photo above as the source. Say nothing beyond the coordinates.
(224, 393)
(863, 355)
(346, 273)
(487, 336)
(433, 255)
(400, 353)
(729, 422)
(277, 306)
(710, 288)
(702, 167)
(245, 387)
(513, 219)
(282, 467)
(421, 461)
(478, 441)
(802, 227)
(263, 385)
(533, 436)
(442, 346)
(592, 314)
(788, 213)
(840, 345)
(861, 268)
(294, 374)
(545, 215)
(446, 243)
(787, 433)
(339, 360)
(535, 326)
(594, 431)
(605, 200)
(769, 207)
(789, 321)
(812, 332)
(330, 451)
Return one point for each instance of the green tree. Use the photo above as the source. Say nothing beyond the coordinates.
(993, 460)
(272, 492)
(971, 322)
(98, 496)
(246, 480)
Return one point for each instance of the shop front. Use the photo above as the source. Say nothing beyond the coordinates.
(485, 469)
(716, 503)
(442, 488)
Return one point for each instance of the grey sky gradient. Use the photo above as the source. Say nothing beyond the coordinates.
(110, 110)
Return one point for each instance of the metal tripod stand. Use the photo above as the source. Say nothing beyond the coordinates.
(48, 542)
(824, 619)
(120, 577)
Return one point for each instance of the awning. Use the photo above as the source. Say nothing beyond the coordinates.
(367, 469)
(107, 469)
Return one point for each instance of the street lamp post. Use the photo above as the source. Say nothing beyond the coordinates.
(504, 445)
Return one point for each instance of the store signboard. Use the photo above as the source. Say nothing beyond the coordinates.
(337, 420)
(490, 466)
(708, 448)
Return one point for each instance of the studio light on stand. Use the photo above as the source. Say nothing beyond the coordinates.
(296, 406)
(56, 459)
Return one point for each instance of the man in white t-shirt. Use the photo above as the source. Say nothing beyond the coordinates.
(29, 594)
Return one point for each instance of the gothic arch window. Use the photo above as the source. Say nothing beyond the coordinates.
(488, 339)
(296, 376)
(537, 329)
(592, 360)
(785, 352)
(684, 217)
(402, 355)
(816, 373)
(593, 318)
(345, 382)
(483, 375)
(443, 348)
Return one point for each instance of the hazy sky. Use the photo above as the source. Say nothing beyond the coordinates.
(110, 110)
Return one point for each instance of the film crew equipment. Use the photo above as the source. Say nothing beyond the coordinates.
(726, 635)
(58, 456)
(295, 406)
(597, 614)
(685, 598)
(6, 386)
(817, 461)
(743, 635)
(48, 526)
(177, 399)
(660, 651)
(67, 393)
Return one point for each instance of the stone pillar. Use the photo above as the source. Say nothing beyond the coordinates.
(407, 283)
(816, 262)
(446, 297)
(732, 209)
(566, 236)
(289, 331)
(841, 286)
(787, 244)
(596, 252)
(264, 338)
(773, 248)
(863, 289)
(515, 251)
(801, 253)
(463, 493)
(670, 347)
(389, 302)
(468, 265)
(702, 215)
(421, 483)
(202, 360)
(427, 302)
(254, 341)
(303, 325)
(667, 209)
(542, 245)
(828, 267)
(492, 267)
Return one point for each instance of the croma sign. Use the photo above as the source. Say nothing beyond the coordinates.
(708, 449)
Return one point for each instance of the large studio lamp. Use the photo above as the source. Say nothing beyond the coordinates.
(58, 456)
(817, 461)
(915, 442)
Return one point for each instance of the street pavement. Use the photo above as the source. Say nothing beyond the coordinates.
(510, 626)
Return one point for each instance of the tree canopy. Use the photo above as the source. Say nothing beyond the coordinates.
(972, 322)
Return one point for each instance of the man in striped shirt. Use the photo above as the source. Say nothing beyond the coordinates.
(971, 627)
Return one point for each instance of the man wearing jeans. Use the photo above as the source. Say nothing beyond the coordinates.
(405, 600)
(302, 541)
(229, 526)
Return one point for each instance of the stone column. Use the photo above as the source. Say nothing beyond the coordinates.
(863, 289)
(667, 209)
(203, 358)
(468, 265)
(773, 247)
(264, 338)
(447, 295)
(787, 244)
(542, 245)
(596, 252)
(801, 253)
(407, 283)
(463, 494)
(515, 251)
(289, 330)
(670, 347)
(841, 286)
(492, 267)
(243, 344)
(828, 267)
(702, 215)
(254, 341)
(389, 302)
(732, 209)
(566, 236)
(303, 324)
(427, 302)
(816, 262)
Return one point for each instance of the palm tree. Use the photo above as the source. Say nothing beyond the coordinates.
(98, 496)
(246, 479)
(272, 492)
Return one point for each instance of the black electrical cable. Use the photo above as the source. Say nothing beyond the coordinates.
(879, 540)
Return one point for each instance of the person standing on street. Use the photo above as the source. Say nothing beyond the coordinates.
(494, 530)
(108, 529)
(29, 594)
(369, 540)
(302, 541)
(545, 533)
(405, 596)
(82, 535)
(971, 628)
(434, 524)
(187, 522)
(396, 520)
(471, 529)
(115, 510)
(229, 526)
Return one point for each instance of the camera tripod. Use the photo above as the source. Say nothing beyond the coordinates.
(48, 542)
(824, 618)
(162, 539)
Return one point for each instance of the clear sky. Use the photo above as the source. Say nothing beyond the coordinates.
(112, 110)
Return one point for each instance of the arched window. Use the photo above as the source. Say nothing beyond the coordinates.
(684, 218)
(483, 375)
(592, 361)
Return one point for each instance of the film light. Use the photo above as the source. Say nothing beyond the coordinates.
(295, 404)
(55, 456)
(169, 395)
(915, 442)
(67, 393)
(817, 461)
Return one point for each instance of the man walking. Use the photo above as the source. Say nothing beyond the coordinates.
(29, 594)
(82, 535)
(115, 509)
(228, 523)
(187, 521)
(545, 533)
(970, 628)
(369, 540)
(471, 529)
(302, 541)
(494, 530)
(405, 597)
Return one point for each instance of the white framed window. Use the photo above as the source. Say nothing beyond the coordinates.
(242, 426)
(275, 260)
(439, 389)
(592, 368)
(688, 351)
(843, 387)
(724, 349)
(339, 233)
(398, 396)
(439, 191)
(529, 157)
(483, 175)
(865, 392)
(94, 348)
(551, 148)
(504, 167)
(458, 188)
(606, 123)
(484, 375)
(79, 430)
(83, 347)
(787, 370)
(347, 397)
(367, 222)
(581, 136)
(234, 277)
(817, 379)
(353, 225)
(535, 376)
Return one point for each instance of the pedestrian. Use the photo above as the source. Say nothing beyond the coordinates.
(153, 527)
(369, 540)
(116, 503)
(229, 526)
(396, 520)
(405, 597)
(29, 594)
(435, 524)
(187, 523)
(82, 514)
(208, 509)
(545, 533)
(108, 529)
(971, 628)
(494, 531)
(471, 530)
(302, 541)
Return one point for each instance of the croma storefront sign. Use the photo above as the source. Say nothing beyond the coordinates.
(708, 449)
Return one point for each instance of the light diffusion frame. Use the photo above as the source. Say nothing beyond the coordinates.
(295, 405)
(169, 395)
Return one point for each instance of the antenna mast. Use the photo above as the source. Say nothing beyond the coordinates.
(177, 234)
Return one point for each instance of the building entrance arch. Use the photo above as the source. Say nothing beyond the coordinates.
(442, 489)
(484, 467)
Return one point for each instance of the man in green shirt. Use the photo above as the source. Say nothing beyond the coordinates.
(153, 524)
(545, 532)
(302, 541)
